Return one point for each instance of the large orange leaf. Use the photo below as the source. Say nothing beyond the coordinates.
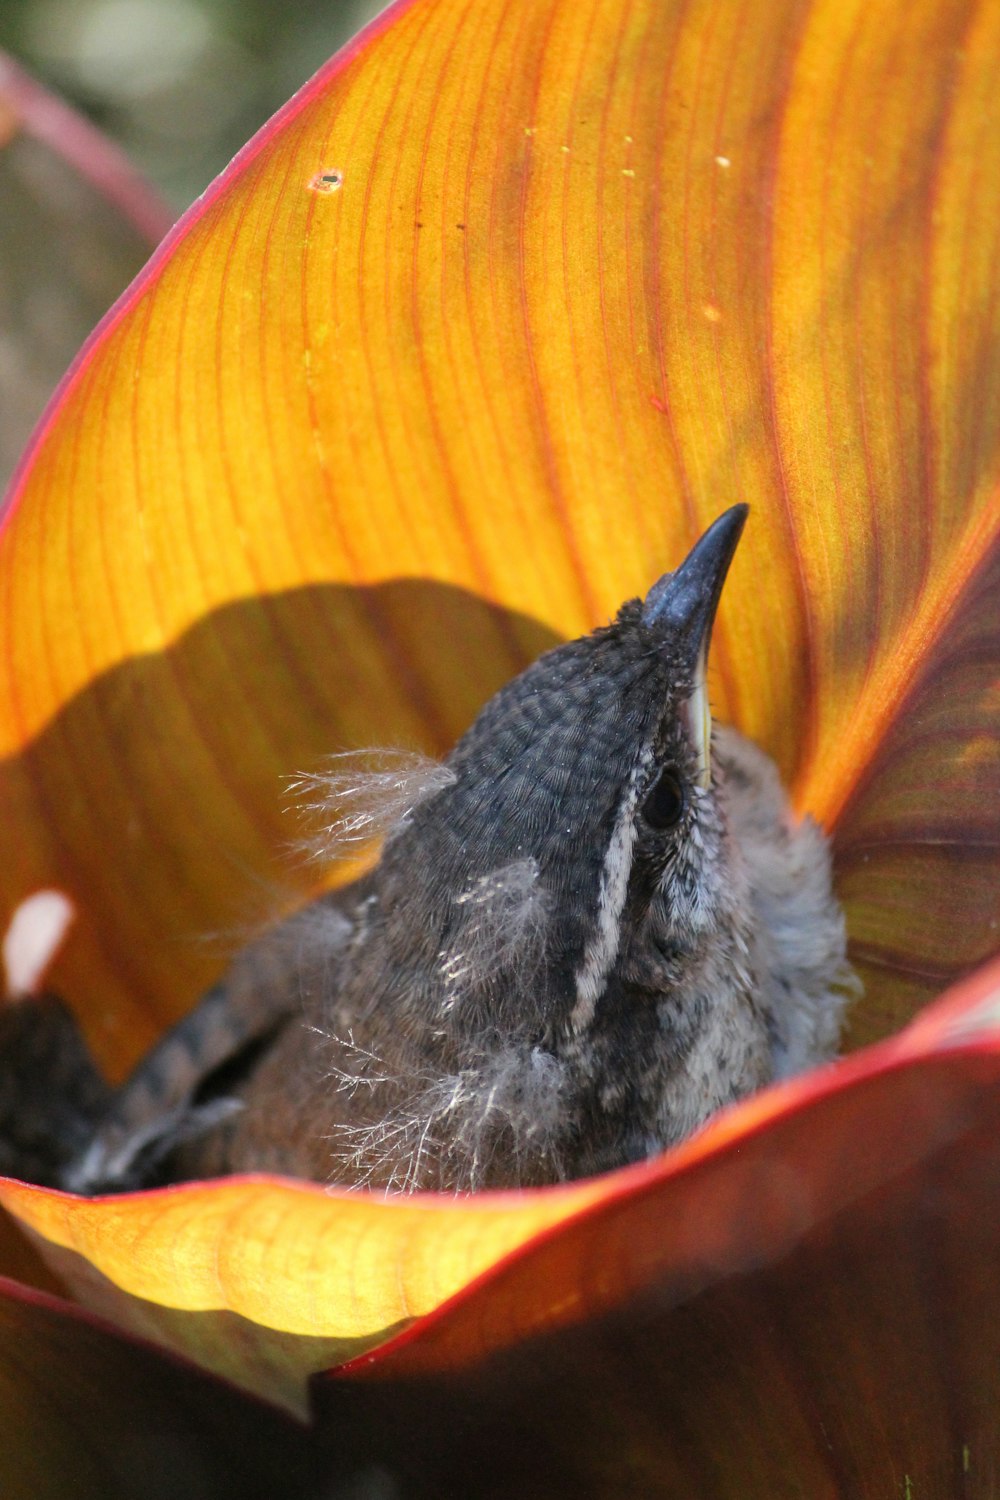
(344, 459)
(462, 351)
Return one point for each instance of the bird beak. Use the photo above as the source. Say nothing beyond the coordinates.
(683, 604)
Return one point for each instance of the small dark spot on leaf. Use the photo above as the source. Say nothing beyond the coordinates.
(326, 182)
(459, 226)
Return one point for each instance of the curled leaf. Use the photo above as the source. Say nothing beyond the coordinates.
(343, 460)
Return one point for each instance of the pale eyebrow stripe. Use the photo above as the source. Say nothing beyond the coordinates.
(602, 948)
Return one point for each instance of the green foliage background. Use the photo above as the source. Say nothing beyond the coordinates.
(181, 84)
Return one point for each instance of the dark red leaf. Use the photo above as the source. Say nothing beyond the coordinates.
(88, 1412)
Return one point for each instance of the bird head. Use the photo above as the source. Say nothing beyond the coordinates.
(581, 844)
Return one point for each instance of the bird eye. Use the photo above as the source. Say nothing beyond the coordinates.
(664, 805)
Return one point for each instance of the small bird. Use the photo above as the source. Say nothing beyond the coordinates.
(591, 927)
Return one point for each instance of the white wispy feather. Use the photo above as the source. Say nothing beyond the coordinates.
(361, 795)
(447, 1125)
(502, 922)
